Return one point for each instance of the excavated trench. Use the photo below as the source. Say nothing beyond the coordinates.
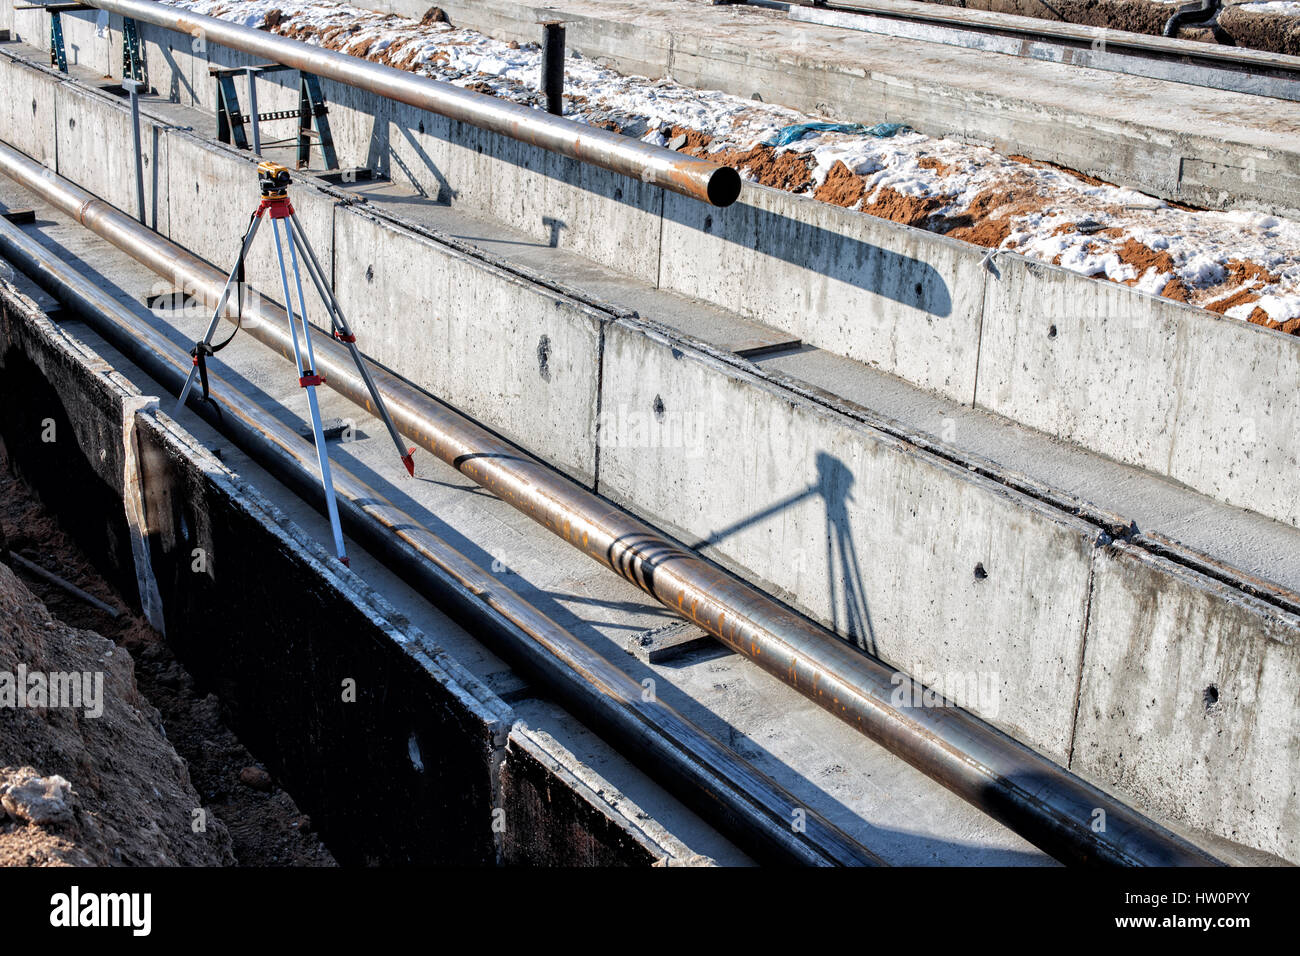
(213, 803)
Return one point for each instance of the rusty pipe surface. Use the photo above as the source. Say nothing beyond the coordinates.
(737, 798)
(697, 178)
(1049, 806)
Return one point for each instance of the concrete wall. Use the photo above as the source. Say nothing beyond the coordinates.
(518, 358)
(855, 528)
(1177, 390)
(862, 531)
(561, 814)
(97, 150)
(911, 303)
(1189, 689)
(896, 298)
(483, 790)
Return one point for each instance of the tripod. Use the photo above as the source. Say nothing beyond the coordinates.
(274, 180)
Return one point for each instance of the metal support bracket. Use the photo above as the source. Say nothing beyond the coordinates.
(312, 113)
(133, 65)
(58, 58)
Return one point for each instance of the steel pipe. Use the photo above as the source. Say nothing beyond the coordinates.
(1047, 805)
(720, 785)
(697, 178)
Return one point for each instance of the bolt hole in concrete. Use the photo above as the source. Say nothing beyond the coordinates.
(1211, 697)
(980, 573)
(659, 408)
(1051, 332)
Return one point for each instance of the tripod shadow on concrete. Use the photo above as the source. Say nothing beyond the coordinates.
(850, 610)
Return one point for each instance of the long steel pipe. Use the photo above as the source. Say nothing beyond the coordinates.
(721, 786)
(1050, 807)
(697, 178)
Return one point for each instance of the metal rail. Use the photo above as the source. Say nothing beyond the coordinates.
(719, 784)
(697, 178)
(1257, 72)
(1024, 790)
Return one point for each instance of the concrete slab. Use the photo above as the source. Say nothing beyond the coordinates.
(96, 148)
(1188, 701)
(894, 298)
(467, 325)
(881, 544)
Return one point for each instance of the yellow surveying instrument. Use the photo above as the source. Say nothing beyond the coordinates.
(274, 180)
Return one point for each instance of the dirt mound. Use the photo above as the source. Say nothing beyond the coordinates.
(786, 170)
(1262, 31)
(1143, 258)
(696, 141)
(86, 774)
(842, 187)
(1290, 326)
(888, 203)
(1240, 297)
(262, 822)
(988, 219)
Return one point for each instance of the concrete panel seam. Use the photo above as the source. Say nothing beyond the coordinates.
(600, 404)
(993, 275)
(1083, 657)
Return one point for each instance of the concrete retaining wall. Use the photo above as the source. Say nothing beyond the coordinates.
(935, 569)
(427, 765)
(911, 303)
(900, 299)
(1189, 689)
(97, 150)
(1180, 391)
(856, 528)
(522, 360)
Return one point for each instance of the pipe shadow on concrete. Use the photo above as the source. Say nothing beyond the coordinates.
(872, 268)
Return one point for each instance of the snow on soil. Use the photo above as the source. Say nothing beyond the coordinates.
(1288, 8)
(1245, 265)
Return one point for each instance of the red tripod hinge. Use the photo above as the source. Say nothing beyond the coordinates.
(345, 338)
(311, 378)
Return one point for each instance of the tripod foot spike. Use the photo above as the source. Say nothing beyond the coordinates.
(409, 461)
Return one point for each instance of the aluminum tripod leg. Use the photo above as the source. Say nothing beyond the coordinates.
(340, 325)
(221, 306)
(307, 378)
